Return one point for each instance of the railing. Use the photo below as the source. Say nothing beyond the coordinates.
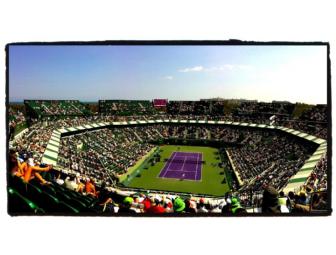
(186, 194)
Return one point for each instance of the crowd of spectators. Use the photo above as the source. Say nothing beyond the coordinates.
(318, 113)
(126, 107)
(102, 155)
(16, 116)
(57, 107)
(112, 151)
(34, 141)
(268, 200)
(201, 107)
(273, 201)
(165, 204)
(16, 119)
(25, 166)
(261, 159)
(238, 110)
(318, 179)
(313, 120)
(268, 159)
(269, 108)
(38, 135)
(317, 129)
(112, 200)
(109, 200)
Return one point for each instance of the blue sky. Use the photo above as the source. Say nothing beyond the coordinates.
(89, 73)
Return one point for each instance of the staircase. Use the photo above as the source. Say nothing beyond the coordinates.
(158, 133)
(137, 136)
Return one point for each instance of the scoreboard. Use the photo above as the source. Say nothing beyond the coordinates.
(160, 102)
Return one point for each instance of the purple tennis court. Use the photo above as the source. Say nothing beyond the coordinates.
(183, 165)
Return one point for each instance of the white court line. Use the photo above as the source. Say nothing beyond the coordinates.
(196, 167)
(169, 164)
(199, 166)
(194, 154)
(182, 168)
(183, 164)
(180, 171)
(158, 176)
(182, 153)
(201, 155)
(178, 154)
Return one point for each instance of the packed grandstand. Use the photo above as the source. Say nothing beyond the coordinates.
(70, 157)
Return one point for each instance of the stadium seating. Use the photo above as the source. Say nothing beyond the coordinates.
(16, 115)
(318, 179)
(260, 158)
(17, 119)
(34, 198)
(43, 108)
(112, 151)
(126, 107)
(20, 204)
